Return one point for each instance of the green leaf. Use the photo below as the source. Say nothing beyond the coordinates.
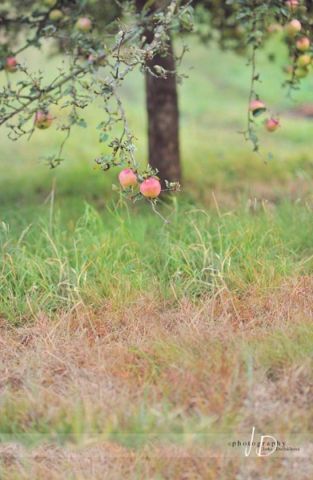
(81, 123)
(258, 112)
(103, 137)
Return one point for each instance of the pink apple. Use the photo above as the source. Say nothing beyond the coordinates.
(257, 107)
(303, 44)
(271, 124)
(292, 4)
(84, 24)
(11, 64)
(150, 188)
(127, 178)
(43, 119)
(293, 27)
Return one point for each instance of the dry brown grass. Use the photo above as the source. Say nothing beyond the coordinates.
(89, 374)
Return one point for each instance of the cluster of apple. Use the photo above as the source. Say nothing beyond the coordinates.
(302, 45)
(298, 41)
(149, 188)
(257, 107)
(83, 24)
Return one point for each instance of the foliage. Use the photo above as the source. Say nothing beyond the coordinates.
(101, 45)
(97, 57)
(246, 25)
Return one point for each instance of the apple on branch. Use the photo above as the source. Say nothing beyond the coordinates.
(56, 15)
(271, 124)
(43, 119)
(293, 27)
(303, 44)
(150, 188)
(257, 107)
(84, 24)
(11, 64)
(127, 178)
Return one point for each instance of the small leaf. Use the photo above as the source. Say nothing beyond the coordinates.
(81, 123)
(258, 111)
(103, 137)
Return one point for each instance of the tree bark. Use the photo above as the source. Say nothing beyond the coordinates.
(163, 114)
(163, 119)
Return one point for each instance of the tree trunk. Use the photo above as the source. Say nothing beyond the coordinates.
(163, 114)
(163, 119)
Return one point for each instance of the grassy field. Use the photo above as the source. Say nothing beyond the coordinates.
(122, 336)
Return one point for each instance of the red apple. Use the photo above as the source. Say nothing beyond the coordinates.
(257, 107)
(43, 119)
(271, 124)
(84, 24)
(11, 64)
(303, 44)
(127, 178)
(293, 27)
(150, 188)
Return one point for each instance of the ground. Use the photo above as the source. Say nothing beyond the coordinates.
(122, 336)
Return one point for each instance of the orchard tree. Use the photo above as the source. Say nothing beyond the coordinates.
(242, 26)
(162, 98)
(101, 42)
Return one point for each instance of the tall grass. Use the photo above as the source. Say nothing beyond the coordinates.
(113, 254)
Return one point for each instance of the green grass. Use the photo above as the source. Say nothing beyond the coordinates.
(116, 254)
